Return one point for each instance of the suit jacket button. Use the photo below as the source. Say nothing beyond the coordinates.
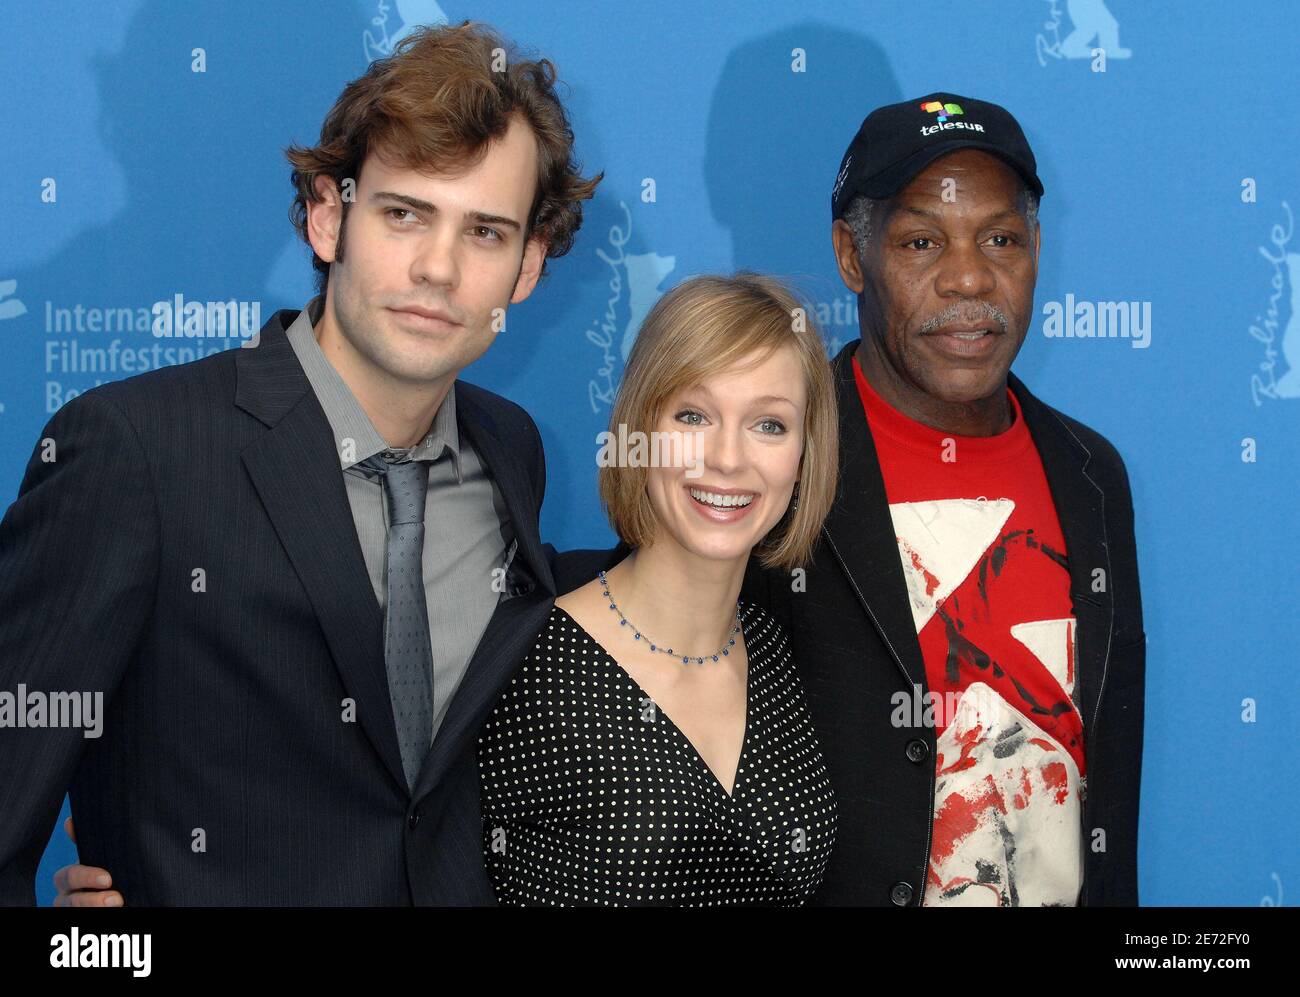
(917, 750)
(413, 821)
(900, 894)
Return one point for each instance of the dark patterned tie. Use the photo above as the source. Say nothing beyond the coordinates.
(408, 654)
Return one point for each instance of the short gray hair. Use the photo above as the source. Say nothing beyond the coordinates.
(861, 216)
(1028, 205)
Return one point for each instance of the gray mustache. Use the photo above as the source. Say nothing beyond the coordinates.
(965, 312)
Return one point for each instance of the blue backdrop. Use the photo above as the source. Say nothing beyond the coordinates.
(1172, 181)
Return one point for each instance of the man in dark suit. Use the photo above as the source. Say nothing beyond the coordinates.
(299, 574)
(970, 635)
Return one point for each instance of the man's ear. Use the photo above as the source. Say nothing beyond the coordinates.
(846, 255)
(324, 216)
(530, 269)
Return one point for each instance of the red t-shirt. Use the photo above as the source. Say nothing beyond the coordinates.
(989, 586)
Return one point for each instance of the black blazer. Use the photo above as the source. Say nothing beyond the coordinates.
(855, 644)
(191, 553)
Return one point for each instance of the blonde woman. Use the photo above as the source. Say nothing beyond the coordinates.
(656, 746)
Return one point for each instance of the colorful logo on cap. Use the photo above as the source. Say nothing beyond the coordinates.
(945, 110)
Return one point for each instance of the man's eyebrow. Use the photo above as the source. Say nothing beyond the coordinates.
(908, 209)
(481, 216)
(415, 204)
(411, 202)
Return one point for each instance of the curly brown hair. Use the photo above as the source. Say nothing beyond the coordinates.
(434, 105)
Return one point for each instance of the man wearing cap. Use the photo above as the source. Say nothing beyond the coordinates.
(970, 633)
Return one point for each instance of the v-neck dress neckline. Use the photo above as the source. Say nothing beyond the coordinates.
(636, 686)
(591, 798)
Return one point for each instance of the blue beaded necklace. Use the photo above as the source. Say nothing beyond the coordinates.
(686, 659)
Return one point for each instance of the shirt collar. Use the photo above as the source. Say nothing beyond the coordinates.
(348, 420)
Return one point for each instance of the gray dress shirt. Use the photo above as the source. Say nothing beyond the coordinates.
(468, 539)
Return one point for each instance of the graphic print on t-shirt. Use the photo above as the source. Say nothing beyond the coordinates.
(1007, 804)
(988, 582)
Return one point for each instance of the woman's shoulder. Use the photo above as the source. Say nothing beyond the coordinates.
(560, 638)
(765, 638)
(568, 649)
(576, 611)
(557, 679)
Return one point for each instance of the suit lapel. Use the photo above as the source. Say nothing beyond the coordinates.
(295, 470)
(515, 622)
(1080, 508)
(860, 532)
(510, 476)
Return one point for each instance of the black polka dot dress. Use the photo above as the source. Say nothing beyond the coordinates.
(592, 796)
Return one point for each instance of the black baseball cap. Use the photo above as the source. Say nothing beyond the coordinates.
(898, 141)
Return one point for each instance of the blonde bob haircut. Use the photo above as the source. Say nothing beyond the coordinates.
(697, 330)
